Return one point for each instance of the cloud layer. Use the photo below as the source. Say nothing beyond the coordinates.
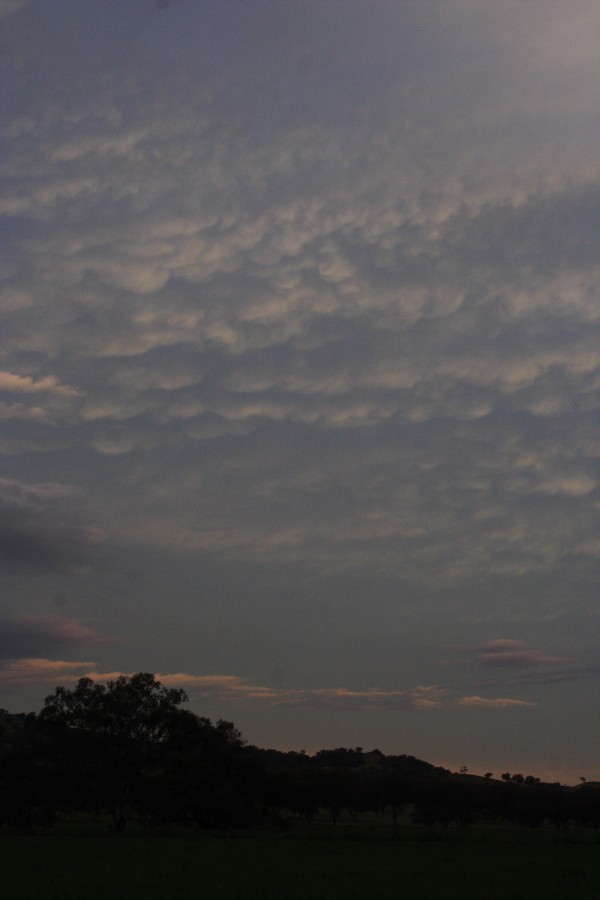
(308, 294)
(237, 690)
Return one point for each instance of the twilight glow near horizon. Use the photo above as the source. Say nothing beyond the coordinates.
(300, 367)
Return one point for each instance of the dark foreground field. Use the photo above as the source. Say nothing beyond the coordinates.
(318, 862)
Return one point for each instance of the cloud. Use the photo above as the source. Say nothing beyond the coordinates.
(226, 688)
(12, 383)
(32, 636)
(229, 687)
(8, 7)
(542, 677)
(40, 528)
(518, 664)
(520, 659)
(514, 654)
(506, 653)
(55, 405)
(325, 306)
(39, 670)
(493, 703)
(21, 411)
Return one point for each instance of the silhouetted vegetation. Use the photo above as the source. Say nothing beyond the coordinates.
(128, 750)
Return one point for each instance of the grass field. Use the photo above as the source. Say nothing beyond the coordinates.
(319, 862)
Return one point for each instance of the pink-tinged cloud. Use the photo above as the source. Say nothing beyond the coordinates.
(493, 702)
(24, 384)
(499, 645)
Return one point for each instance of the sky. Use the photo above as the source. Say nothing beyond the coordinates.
(300, 367)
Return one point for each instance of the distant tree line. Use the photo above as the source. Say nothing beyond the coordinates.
(128, 750)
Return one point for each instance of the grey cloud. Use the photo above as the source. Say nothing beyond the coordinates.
(525, 658)
(543, 676)
(536, 234)
(347, 500)
(510, 654)
(508, 663)
(38, 636)
(40, 530)
(8, 7)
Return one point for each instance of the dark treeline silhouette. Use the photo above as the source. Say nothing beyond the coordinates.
(128, 749)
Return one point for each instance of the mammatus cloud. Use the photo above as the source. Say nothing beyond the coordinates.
(53, 401)
(375, 348)
(25, 384)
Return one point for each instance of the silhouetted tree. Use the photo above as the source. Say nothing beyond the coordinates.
(585, 805)
(128, 748)
(111, 733)
(30, 793)
(395, 792)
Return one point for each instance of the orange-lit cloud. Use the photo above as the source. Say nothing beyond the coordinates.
(32, 670)
(24, 384)
(224, 687)
(235, 688)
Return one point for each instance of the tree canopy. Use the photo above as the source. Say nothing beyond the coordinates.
(131, 709)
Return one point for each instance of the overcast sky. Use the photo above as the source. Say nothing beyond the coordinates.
(300, 367)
